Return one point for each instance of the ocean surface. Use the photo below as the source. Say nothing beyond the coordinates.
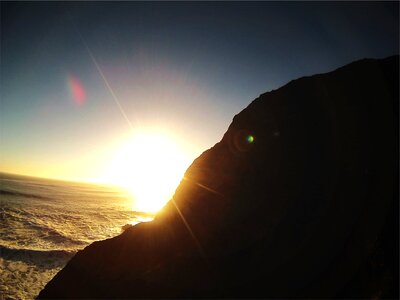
(43, 223)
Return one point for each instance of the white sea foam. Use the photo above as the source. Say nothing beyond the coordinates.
(43, 223)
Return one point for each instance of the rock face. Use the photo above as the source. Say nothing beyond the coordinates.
(299, 199)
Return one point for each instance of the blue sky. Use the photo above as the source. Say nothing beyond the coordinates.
(187, 67)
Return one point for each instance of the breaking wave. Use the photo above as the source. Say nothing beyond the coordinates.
(20, 194)
(52, 258)
(44, 223)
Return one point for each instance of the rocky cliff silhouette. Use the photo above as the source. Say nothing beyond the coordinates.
(299, 199)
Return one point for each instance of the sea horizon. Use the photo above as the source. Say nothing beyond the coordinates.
(65, 180)
(44, 222)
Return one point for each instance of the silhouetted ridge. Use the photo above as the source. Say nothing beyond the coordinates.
(299, 199)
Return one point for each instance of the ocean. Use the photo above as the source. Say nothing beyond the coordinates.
(43, 223)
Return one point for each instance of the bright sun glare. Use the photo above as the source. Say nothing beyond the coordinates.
(150, 166)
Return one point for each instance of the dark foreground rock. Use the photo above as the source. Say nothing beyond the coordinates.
(309, 208)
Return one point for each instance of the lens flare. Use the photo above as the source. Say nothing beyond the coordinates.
(250, 139)
(77, 90)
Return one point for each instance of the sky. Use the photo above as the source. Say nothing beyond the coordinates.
(78, 77)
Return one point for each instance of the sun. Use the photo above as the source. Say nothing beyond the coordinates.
(150, 166)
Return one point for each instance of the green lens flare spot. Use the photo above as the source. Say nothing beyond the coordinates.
(250, 139)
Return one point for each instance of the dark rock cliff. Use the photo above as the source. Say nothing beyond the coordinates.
(305, 207)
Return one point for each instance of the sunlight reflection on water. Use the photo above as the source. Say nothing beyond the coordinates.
(43, 223)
